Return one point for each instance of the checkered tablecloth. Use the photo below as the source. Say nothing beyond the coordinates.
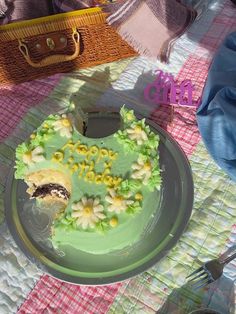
(211, 230)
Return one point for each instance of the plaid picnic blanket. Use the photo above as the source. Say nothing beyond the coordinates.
(211, 230)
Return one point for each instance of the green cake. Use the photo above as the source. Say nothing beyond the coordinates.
(107, 188)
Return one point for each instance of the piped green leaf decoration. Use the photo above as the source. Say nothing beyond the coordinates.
(129, 186)
(20, 166)
(127, 115)
(102, 226)
(45, 131)
(122, 138)
(155, 180)
(134, 208)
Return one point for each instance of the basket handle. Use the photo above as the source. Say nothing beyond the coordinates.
(54, 58)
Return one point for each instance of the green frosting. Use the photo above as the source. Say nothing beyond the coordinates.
(20, 166)
(38, 138)
(111, 202)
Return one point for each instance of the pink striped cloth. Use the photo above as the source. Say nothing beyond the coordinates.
(149, 26)
(12, 10)
(25, 96)
(52, 296)
(60, 6)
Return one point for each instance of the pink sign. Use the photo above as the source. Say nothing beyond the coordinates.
(165, 90)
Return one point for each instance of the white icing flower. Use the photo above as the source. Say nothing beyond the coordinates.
(64, 126)
(137, 134)
(87, 212)
(143, 170)
(33, 156)
(117, 202)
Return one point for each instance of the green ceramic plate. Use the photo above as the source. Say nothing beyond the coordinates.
(29, 227)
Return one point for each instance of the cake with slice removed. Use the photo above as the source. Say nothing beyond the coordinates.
(108, 187)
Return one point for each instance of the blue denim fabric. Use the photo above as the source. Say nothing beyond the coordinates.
(216, 115)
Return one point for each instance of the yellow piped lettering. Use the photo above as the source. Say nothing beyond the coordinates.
(107, 165)
(58, 156)
(70, 144)
(90, 176)
(86, 167)
(108, 180)
(82, 149)
(112, 155)
(116, 181)
(91, 166)
(71, 160)
(75, 167)
(98, 179)
(103, 153)
(82, 166)
(105, 172)
(92, 151)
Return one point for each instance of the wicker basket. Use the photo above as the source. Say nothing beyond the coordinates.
(58, 43)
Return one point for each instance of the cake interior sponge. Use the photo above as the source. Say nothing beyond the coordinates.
(49, 185)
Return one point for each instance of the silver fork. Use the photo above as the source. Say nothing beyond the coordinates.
(208, 272)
